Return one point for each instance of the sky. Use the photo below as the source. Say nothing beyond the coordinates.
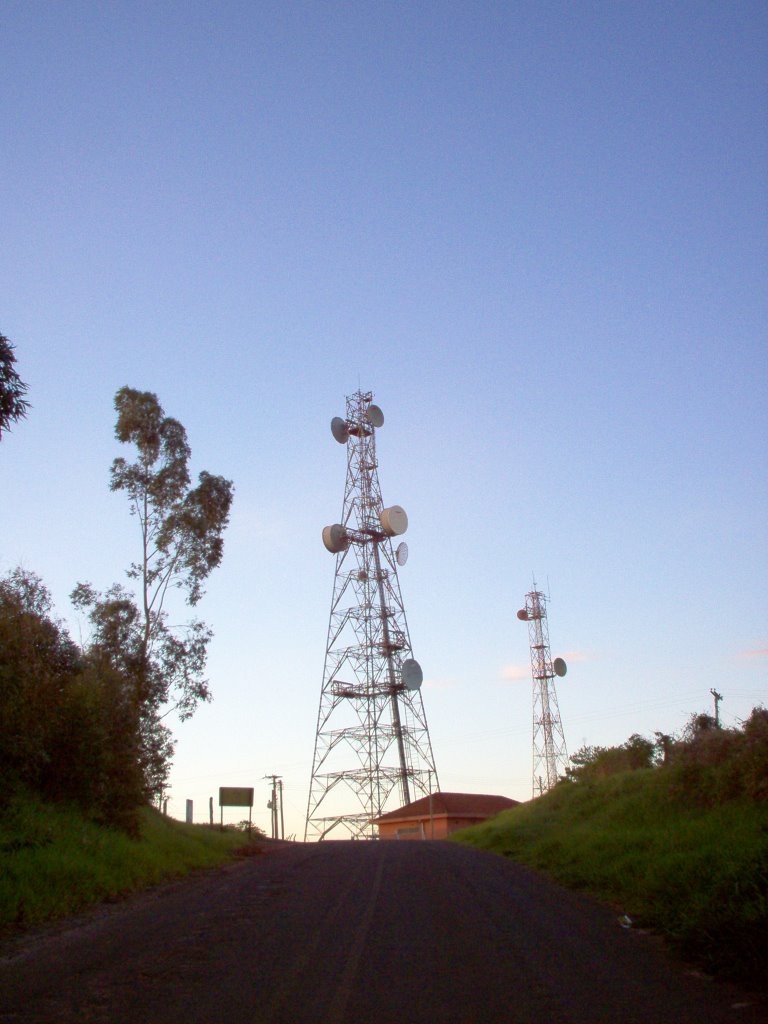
(536, 231)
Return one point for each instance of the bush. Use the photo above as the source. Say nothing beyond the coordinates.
(69, 727)
(600, 762)
(707, 764)
(712, 765)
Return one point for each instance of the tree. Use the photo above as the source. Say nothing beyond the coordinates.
(598, 762)
(116, 645)
(36, 658)
(13, 405)
(181, 529)
(69, 729)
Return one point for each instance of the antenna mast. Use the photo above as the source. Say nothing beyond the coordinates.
(550, 756)
(372, 740)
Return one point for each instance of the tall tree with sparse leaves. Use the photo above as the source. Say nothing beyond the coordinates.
(181, 542)
(181, 531)
(13, 404)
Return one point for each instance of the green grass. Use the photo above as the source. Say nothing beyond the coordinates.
(54, 862)
(697, 874)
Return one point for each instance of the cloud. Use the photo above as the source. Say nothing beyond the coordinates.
(514, 673)
(758, 652)
(575, 657)
(446, 683)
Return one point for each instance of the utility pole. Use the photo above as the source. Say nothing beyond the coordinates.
(718, 697)
(273, 805)
(282, 822)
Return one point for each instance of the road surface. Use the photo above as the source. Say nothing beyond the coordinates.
(357, 933)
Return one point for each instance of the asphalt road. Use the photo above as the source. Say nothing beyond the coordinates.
(357, 933)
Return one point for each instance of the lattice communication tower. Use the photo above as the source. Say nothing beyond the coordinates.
(372, 741)
(550, 756)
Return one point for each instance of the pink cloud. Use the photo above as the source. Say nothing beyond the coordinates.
(574, 657)
(759, 652)
(514, 673)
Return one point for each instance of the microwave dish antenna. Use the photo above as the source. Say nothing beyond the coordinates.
(411, 674)
(394, 520)
(560, 667)
(375, 416)
(335, 538)
(401, 553)
(340, 429)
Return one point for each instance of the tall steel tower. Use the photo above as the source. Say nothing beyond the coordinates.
(372, 740)
(550, 756)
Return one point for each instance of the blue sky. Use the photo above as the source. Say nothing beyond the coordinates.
(536, 231)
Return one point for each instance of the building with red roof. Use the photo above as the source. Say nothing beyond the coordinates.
(436, 816)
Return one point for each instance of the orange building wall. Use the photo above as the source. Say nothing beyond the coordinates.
(439, 827)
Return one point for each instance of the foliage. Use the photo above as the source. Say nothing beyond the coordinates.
(13, 405)
(86, 725)
(598, 762)
(181, 531)
(68, 725)
(181, 527)
(707, 762)
(712, 765)
(247, 826)
(36, 659)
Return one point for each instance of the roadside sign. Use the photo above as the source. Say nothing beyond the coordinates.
(232, 796)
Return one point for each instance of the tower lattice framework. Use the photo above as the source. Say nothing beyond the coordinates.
(550, 756)
(372, 743)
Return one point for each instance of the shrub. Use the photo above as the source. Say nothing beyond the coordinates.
(69, 727)
(712, 765)
(600, 762)
(708, 764)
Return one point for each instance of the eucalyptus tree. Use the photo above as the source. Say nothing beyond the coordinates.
(181, 530)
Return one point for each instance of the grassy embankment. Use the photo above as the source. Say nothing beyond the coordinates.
(55, 862)
(696, 872)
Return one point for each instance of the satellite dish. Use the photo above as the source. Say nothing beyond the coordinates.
(559, 666)
(335, 538)
(393, 520)
(401, 555)
(411, 674)
(339, 429)
(522, 615)
(375, 415)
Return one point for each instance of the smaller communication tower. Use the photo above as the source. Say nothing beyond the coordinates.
(550, 756)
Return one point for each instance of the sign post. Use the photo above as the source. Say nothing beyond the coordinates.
(234, 796)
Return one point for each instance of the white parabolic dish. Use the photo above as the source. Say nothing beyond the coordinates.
(339, 429)
(411, 674)
(335, 538)
(393, 520)
(375, 415)
(401, 554)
